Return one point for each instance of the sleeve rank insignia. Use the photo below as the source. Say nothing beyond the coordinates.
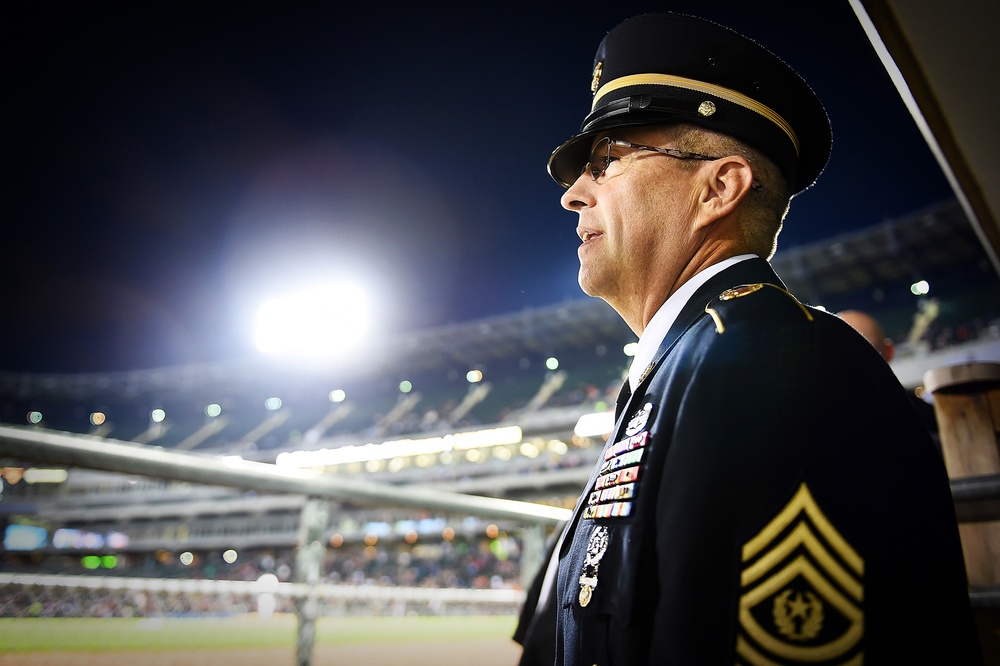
(802, 591)
(597, 545)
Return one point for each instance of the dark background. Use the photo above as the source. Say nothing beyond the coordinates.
(169, 166)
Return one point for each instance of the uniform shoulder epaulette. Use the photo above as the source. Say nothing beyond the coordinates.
(761, 298)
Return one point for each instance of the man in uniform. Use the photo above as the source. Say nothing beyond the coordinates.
(766, 496)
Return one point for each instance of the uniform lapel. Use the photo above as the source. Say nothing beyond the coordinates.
(745, 272)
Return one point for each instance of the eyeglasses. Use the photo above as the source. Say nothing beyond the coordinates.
(601, 159)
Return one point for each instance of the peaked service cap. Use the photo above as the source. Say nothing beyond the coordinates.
(671, 68)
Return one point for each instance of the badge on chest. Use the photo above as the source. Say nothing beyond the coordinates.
(597, 545)
(619, 471)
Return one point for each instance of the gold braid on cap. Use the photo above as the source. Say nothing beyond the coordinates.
(700, 86)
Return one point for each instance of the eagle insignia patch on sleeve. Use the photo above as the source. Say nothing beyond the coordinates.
(802, 591)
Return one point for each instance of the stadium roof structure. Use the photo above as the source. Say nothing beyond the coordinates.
(835, 270)
(901, 249)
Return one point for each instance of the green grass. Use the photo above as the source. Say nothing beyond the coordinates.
(98, 634)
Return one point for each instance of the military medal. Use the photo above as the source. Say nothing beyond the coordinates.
(597, 545)
(638, 422)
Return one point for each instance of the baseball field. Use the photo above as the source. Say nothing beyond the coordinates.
(251, 641)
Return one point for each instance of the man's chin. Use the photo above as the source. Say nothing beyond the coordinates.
(588, 287)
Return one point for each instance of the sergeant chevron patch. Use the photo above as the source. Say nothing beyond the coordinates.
(802, 591)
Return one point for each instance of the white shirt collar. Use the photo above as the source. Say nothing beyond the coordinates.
(664, 318)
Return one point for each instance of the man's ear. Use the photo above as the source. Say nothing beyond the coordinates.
(727, 181)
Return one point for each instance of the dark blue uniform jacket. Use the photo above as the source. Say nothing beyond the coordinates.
(767, 497)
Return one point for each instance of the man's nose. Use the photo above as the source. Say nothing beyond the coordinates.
(578, 194)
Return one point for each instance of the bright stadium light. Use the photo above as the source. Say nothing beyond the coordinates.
(598, 424)
(461, 441)
(317, 322)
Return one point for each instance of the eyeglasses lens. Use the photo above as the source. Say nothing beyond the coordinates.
(600, 157)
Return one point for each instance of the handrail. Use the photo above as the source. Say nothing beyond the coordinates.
(58, 448)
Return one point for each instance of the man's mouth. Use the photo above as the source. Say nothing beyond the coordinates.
(586, 236)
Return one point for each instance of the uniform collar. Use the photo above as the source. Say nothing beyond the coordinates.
(659, 325)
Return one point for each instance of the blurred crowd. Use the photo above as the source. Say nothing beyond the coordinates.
(462, 564)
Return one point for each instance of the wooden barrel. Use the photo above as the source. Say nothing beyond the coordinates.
(967, 406)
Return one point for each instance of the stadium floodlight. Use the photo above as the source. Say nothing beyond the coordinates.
(313, 323)
(920, 288)
(39, 475)
(402, 448)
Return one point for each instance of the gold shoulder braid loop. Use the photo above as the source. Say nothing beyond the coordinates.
(746, 290)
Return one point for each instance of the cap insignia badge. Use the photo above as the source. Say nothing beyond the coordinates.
(597, 545)
(596, 81)
(706, 108)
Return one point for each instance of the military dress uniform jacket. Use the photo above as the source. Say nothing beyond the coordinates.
(767, 497)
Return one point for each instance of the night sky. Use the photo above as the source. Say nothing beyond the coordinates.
(170, 168)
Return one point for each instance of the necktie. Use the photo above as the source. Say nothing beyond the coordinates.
(623, 397)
